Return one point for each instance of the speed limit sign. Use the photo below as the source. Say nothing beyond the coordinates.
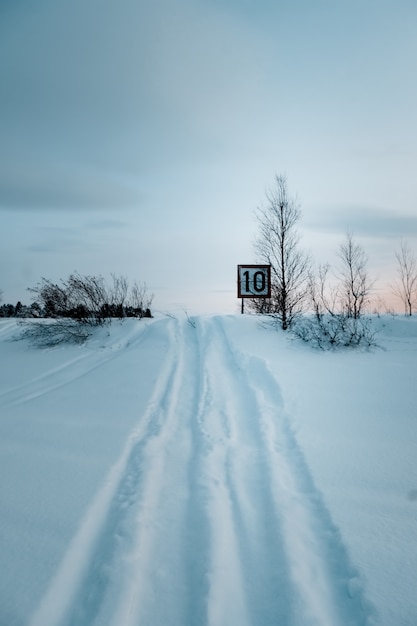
(253, 281)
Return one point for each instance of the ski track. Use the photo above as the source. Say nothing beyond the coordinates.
(210, 516)
(65, 373)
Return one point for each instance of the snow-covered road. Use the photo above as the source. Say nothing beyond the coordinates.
(208, 471)
(210, 516)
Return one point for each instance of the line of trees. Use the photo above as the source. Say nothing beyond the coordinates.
(18, 310)
(337, 300)
(67, 312)
(87, 299)
(90, 300)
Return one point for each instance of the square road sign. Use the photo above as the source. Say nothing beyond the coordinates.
(253, 281)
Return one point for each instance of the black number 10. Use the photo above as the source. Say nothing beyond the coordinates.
(259, 281)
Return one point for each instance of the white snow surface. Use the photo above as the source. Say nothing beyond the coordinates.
(208, 471)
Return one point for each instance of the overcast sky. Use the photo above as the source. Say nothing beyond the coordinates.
(138, 137)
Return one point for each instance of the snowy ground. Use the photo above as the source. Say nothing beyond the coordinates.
(172, 473)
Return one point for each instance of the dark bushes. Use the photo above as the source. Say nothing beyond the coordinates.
(80, 303)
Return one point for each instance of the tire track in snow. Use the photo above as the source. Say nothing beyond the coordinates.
(210, 517)
(6, 326)
(160, 566)
(93, 564)
(190, 563)
(248, 573)
(326, 589)
(64, 374)
(50, 380)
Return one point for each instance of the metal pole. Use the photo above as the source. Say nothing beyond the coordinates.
(242, 310)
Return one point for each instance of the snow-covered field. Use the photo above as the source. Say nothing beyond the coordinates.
(176, 472)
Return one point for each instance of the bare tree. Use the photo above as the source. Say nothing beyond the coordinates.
(331, 326)
(322, 297)
(355, 285)
(278, 245)
(140, 300)
(118, 296)
(405, 287)
(87, 297)
(80, 303)
(81, 298)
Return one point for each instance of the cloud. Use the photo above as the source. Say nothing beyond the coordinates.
(74, 112)
(92, 89)
(56, 240)
(43, 184)
(362, 221)
(105, 224)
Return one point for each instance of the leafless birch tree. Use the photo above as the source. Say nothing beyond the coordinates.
(277, 244)
(405, 287)
(355, 285)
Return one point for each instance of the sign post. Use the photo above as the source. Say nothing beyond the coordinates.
(253, 281)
